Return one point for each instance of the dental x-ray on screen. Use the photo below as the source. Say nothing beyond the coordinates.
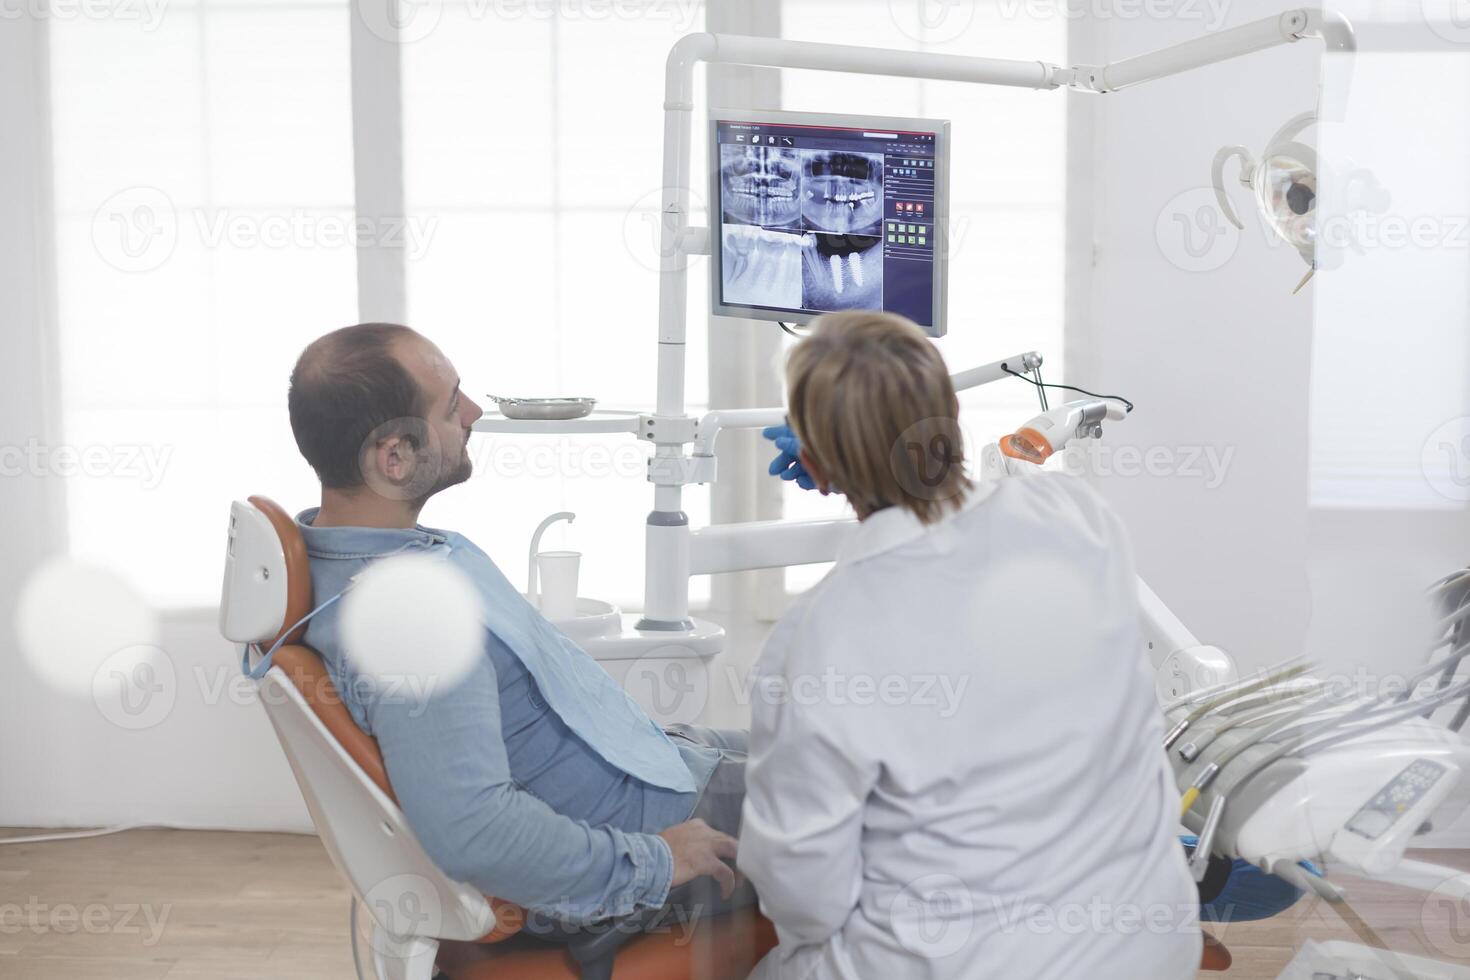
(824, 213)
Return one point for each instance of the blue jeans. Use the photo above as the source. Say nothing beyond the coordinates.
(1249, 893)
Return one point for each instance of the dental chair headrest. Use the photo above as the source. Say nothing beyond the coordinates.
(267, 580)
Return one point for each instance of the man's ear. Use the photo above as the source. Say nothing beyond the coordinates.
(395, 459)
(814, 471)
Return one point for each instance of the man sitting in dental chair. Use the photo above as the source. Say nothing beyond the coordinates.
(536, 779)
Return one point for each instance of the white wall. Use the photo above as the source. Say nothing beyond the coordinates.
(1215, 359)
(1220, 357)
(205, 758)
(1391, 368)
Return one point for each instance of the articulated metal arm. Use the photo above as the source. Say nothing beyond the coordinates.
(717, 421)
(1258, 35)
(1284, 28)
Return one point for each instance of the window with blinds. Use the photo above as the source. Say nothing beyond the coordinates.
(204, 229)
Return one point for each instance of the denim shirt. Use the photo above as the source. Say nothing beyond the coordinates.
(536, 779)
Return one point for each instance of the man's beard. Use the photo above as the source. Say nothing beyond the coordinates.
(450, 476)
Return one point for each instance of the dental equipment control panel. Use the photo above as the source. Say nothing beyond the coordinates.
(1395, 799)
(821, 213)
(1374, 838)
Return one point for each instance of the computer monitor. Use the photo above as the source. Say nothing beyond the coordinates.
(812, 213)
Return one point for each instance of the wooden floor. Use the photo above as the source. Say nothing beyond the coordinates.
(153, 904)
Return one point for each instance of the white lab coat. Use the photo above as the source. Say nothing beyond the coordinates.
(955, 765)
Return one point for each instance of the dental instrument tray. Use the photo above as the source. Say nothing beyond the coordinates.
(541, 409)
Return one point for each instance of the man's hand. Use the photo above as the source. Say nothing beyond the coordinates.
(699, 849)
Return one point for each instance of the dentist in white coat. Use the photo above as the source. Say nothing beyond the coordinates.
(955, 765)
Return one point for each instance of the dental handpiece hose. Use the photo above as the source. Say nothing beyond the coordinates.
(1254, 710)
(1205, 693)
(1209, 772)
(1230, 696)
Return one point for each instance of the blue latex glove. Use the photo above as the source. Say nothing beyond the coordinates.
(787, 464)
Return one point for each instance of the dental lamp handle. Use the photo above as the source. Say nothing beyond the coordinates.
(531, 583)
(1217, 175)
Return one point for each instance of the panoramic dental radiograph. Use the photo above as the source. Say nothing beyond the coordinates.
(841, 191)
(802, 228)
(759, 185)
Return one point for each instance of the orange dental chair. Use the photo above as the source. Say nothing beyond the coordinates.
(421, 919)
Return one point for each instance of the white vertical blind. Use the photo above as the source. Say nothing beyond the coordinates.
(203, 182)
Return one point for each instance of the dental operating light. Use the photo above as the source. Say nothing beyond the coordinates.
(1284, 185)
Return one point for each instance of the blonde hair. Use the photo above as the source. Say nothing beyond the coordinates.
(872, 403)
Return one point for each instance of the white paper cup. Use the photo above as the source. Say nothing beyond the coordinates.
(558, 572)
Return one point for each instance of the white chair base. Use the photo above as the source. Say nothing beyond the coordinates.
(403, 959)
